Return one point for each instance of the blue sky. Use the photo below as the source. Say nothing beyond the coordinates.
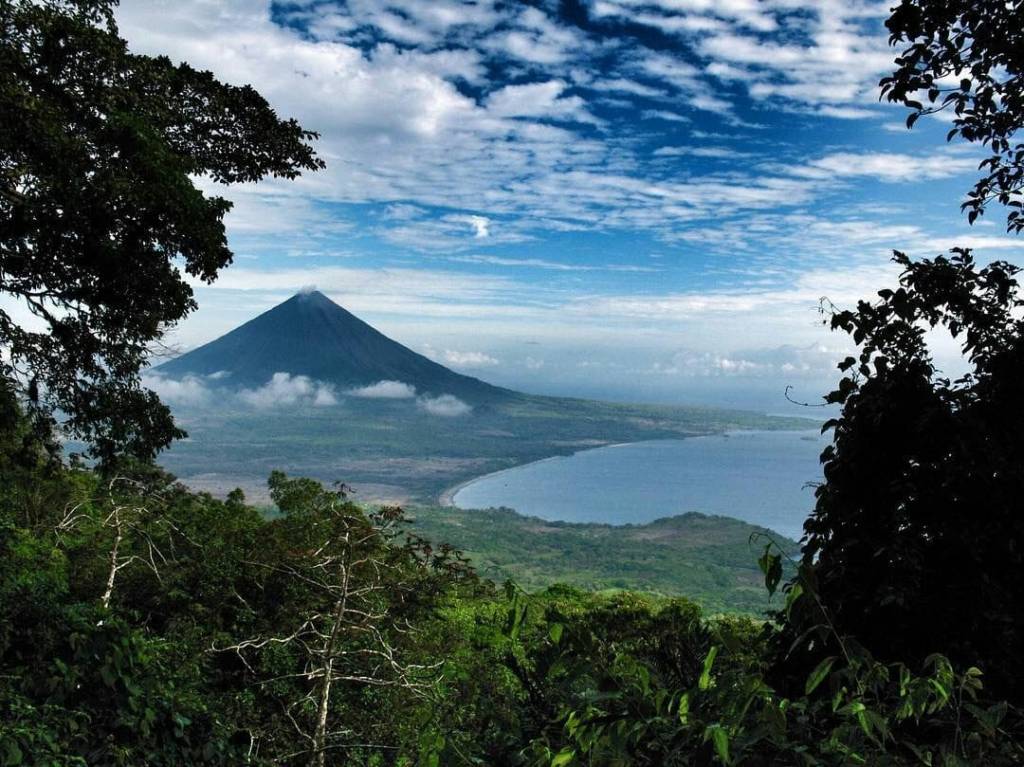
(636, 199)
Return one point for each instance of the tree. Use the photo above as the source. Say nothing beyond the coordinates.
(99, 214)
(916, 542)
(127, 517)
(967, 56)
(334, 580)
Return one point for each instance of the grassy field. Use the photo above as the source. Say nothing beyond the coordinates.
(709, 559)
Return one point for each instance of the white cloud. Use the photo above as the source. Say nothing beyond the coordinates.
(540, 263)
(324, 397)
(403, 212)
(746, 13)
(282, 390)
(842, 287)
(683, 77)
(846, 113)
(828, 61)
(815, 361)
(407, 20)
(479, 224)
(286, 390)
(664, 114)
(544, 100)
(446, 405)
(533, 39)
(384, 390)
(624, 85)
(191, 391)
(452, 232)
(713, 152)
(976, 242)
(891, 167)
(468, 359)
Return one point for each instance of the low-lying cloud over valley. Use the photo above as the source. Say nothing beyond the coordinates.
(285, 390)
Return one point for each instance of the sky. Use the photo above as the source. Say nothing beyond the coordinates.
(629, 199)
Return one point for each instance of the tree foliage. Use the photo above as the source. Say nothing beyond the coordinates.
(99, 212)
(967, 56)
(917, 540)
(622, 706)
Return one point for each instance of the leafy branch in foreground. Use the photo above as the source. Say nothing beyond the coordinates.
(967, 57)
(729, 706)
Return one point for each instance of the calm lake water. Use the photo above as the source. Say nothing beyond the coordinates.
(757, 476)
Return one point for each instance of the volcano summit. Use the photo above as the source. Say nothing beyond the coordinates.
(310, 335)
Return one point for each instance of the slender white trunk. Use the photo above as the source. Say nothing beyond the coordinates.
(319, 757)
(113, 565)
(320, 735)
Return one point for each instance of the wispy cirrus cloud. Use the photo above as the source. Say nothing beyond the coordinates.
(540, 263)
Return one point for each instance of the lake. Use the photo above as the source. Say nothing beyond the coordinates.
(760, 477)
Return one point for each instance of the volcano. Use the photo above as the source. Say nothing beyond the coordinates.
(310, 335)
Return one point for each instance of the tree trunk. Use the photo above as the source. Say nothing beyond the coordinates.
(113, 565)
(320, 734)
(319, 757)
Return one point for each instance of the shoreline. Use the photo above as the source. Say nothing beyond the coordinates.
(446, 499)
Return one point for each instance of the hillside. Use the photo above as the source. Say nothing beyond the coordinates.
(709, 559)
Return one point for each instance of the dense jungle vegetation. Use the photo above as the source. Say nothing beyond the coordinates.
(143, 624)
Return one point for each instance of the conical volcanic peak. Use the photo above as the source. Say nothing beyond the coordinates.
(310, 335)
